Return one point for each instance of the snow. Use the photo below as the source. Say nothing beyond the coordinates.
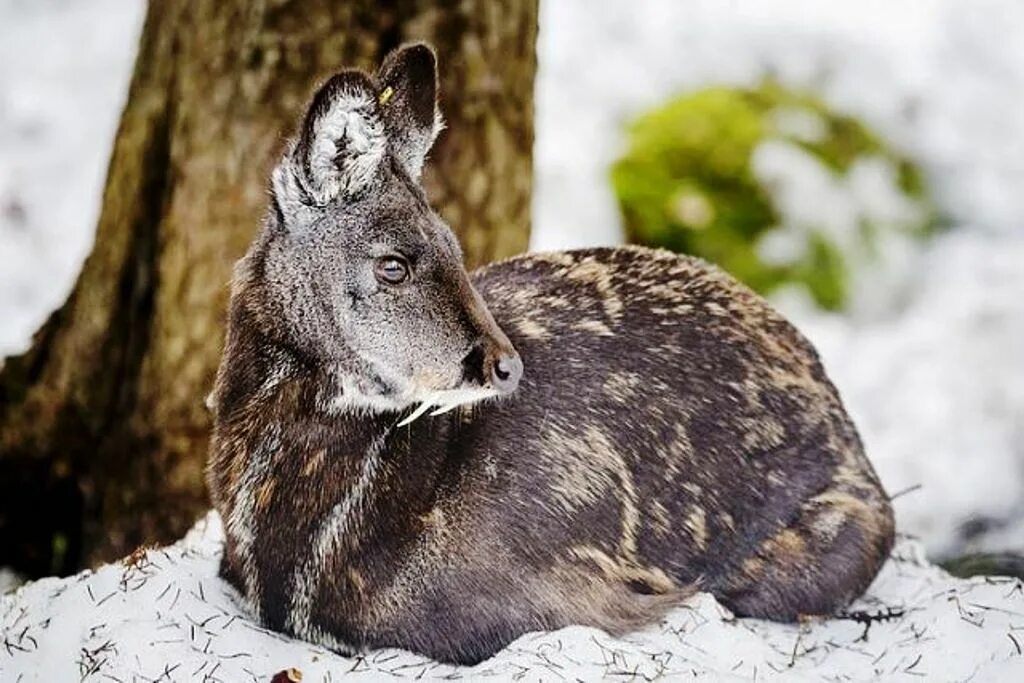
(165, 615)
(943, 85)
(867, 194)
(64, 70)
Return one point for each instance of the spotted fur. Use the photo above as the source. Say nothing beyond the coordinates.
(671, 432)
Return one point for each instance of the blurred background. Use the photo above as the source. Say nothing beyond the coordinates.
(859, 162)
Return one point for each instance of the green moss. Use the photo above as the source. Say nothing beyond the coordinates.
(686, 182)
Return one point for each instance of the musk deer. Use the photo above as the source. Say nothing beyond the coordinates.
(406, 454)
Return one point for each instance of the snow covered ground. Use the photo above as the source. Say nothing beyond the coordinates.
(166, 617)
(934, 376)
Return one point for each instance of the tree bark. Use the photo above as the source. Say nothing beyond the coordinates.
(103, 431)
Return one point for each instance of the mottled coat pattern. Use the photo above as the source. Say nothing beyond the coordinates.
(670, 431)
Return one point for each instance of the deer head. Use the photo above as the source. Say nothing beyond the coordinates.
(355, 270)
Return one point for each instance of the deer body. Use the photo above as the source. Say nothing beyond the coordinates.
(616, 428)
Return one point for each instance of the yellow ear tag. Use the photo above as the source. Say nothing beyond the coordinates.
(385, 96)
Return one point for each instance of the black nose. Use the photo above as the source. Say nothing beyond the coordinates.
(506, 373)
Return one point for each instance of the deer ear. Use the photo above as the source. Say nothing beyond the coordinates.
(408, 99)
(340, 147)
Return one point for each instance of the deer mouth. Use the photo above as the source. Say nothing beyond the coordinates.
(446, 400)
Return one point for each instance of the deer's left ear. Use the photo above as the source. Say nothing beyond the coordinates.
(340, 147)
(408, 99)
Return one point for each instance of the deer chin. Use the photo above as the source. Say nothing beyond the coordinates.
(363, 395)
(378, 390)
(445, 400)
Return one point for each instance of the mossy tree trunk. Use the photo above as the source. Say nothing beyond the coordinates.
(103, 431)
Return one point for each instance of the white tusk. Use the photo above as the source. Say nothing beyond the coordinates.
(444, 409)
(414, 415)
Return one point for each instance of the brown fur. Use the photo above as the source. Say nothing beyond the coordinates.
(671, 431)
(590, 496)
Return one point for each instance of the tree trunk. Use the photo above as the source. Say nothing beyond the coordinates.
(103, 432)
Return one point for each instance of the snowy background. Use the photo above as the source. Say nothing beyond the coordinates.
(933, 373)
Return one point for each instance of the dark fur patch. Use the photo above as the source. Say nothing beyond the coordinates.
(670, 431)
(639, 455)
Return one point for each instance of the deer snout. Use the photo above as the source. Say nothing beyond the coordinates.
(493, 359)
(506, 371)
(493, 364)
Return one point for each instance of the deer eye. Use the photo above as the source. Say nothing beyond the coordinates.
(391, 270)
